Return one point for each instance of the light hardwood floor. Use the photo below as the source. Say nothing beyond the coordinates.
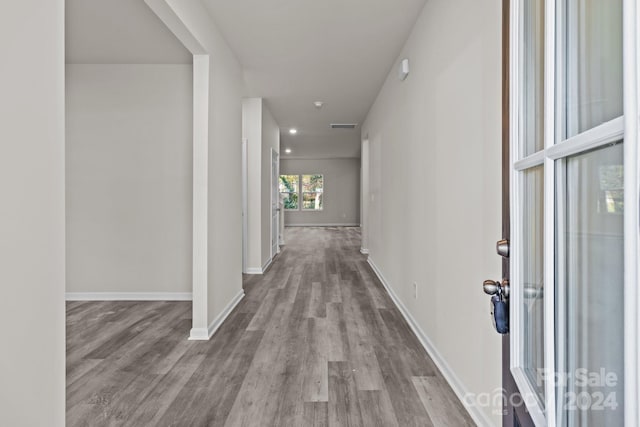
(315, 342)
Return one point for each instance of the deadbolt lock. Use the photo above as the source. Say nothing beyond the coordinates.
(502, 247)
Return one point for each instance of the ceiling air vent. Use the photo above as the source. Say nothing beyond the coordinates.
(343, 125)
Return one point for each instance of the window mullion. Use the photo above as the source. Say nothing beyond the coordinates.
(550, 120)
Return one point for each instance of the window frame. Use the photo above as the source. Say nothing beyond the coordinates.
(297, 192)
(300, 192)
(556, 150)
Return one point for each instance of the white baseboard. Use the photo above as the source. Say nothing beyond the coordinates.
(479, 417)
(199, 334)
(128, 296)
(364, 251)
(267, 265)
(253, 270)
(323, 225)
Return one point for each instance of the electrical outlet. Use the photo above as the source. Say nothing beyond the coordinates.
(415, 290)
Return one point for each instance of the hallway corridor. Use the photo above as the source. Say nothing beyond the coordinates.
(315, 342)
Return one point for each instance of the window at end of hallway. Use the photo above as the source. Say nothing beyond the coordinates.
(312, 191)
(289, 189)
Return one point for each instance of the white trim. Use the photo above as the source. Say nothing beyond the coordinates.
(267, 264)
(550, 120)
(254, 270)
(631, 23)
(128, 296)
(560, 292)
(324, 225)
(478, 416)
(515, 134)
(200, 334)
(364, 251)
(518, 163)
(531, 161)
(606, 133)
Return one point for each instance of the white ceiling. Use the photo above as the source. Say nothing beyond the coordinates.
(299, 51)
(294, 52)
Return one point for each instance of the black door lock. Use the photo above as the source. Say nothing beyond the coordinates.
(499, 304)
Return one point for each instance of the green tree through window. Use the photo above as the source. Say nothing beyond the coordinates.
(289, 188)
(312, 192)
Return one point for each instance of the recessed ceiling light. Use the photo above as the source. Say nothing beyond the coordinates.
(318, 104)
(293, 131)
(287, 150)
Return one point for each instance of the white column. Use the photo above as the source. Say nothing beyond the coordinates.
(199, 329)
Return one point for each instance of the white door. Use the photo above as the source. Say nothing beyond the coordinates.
(275, 199)
(574, 211)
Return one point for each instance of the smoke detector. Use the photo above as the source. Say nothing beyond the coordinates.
(318, 104)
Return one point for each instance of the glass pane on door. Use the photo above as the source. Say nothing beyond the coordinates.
(533, 75)
(592, 63)
(531, 280)
(590, 283)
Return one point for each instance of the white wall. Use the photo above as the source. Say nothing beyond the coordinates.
(270, 141)
(365, 192)
(262, 134)
(224, 202)
(252, 132)
(129, 178)
(218, 93)
(435, 182)
(341, 197)
(226, 87)
(32, 315)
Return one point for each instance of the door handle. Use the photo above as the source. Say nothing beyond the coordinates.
(492, 287)
(499, 292)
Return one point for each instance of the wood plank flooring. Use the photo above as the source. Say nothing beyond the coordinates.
(315, 342)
